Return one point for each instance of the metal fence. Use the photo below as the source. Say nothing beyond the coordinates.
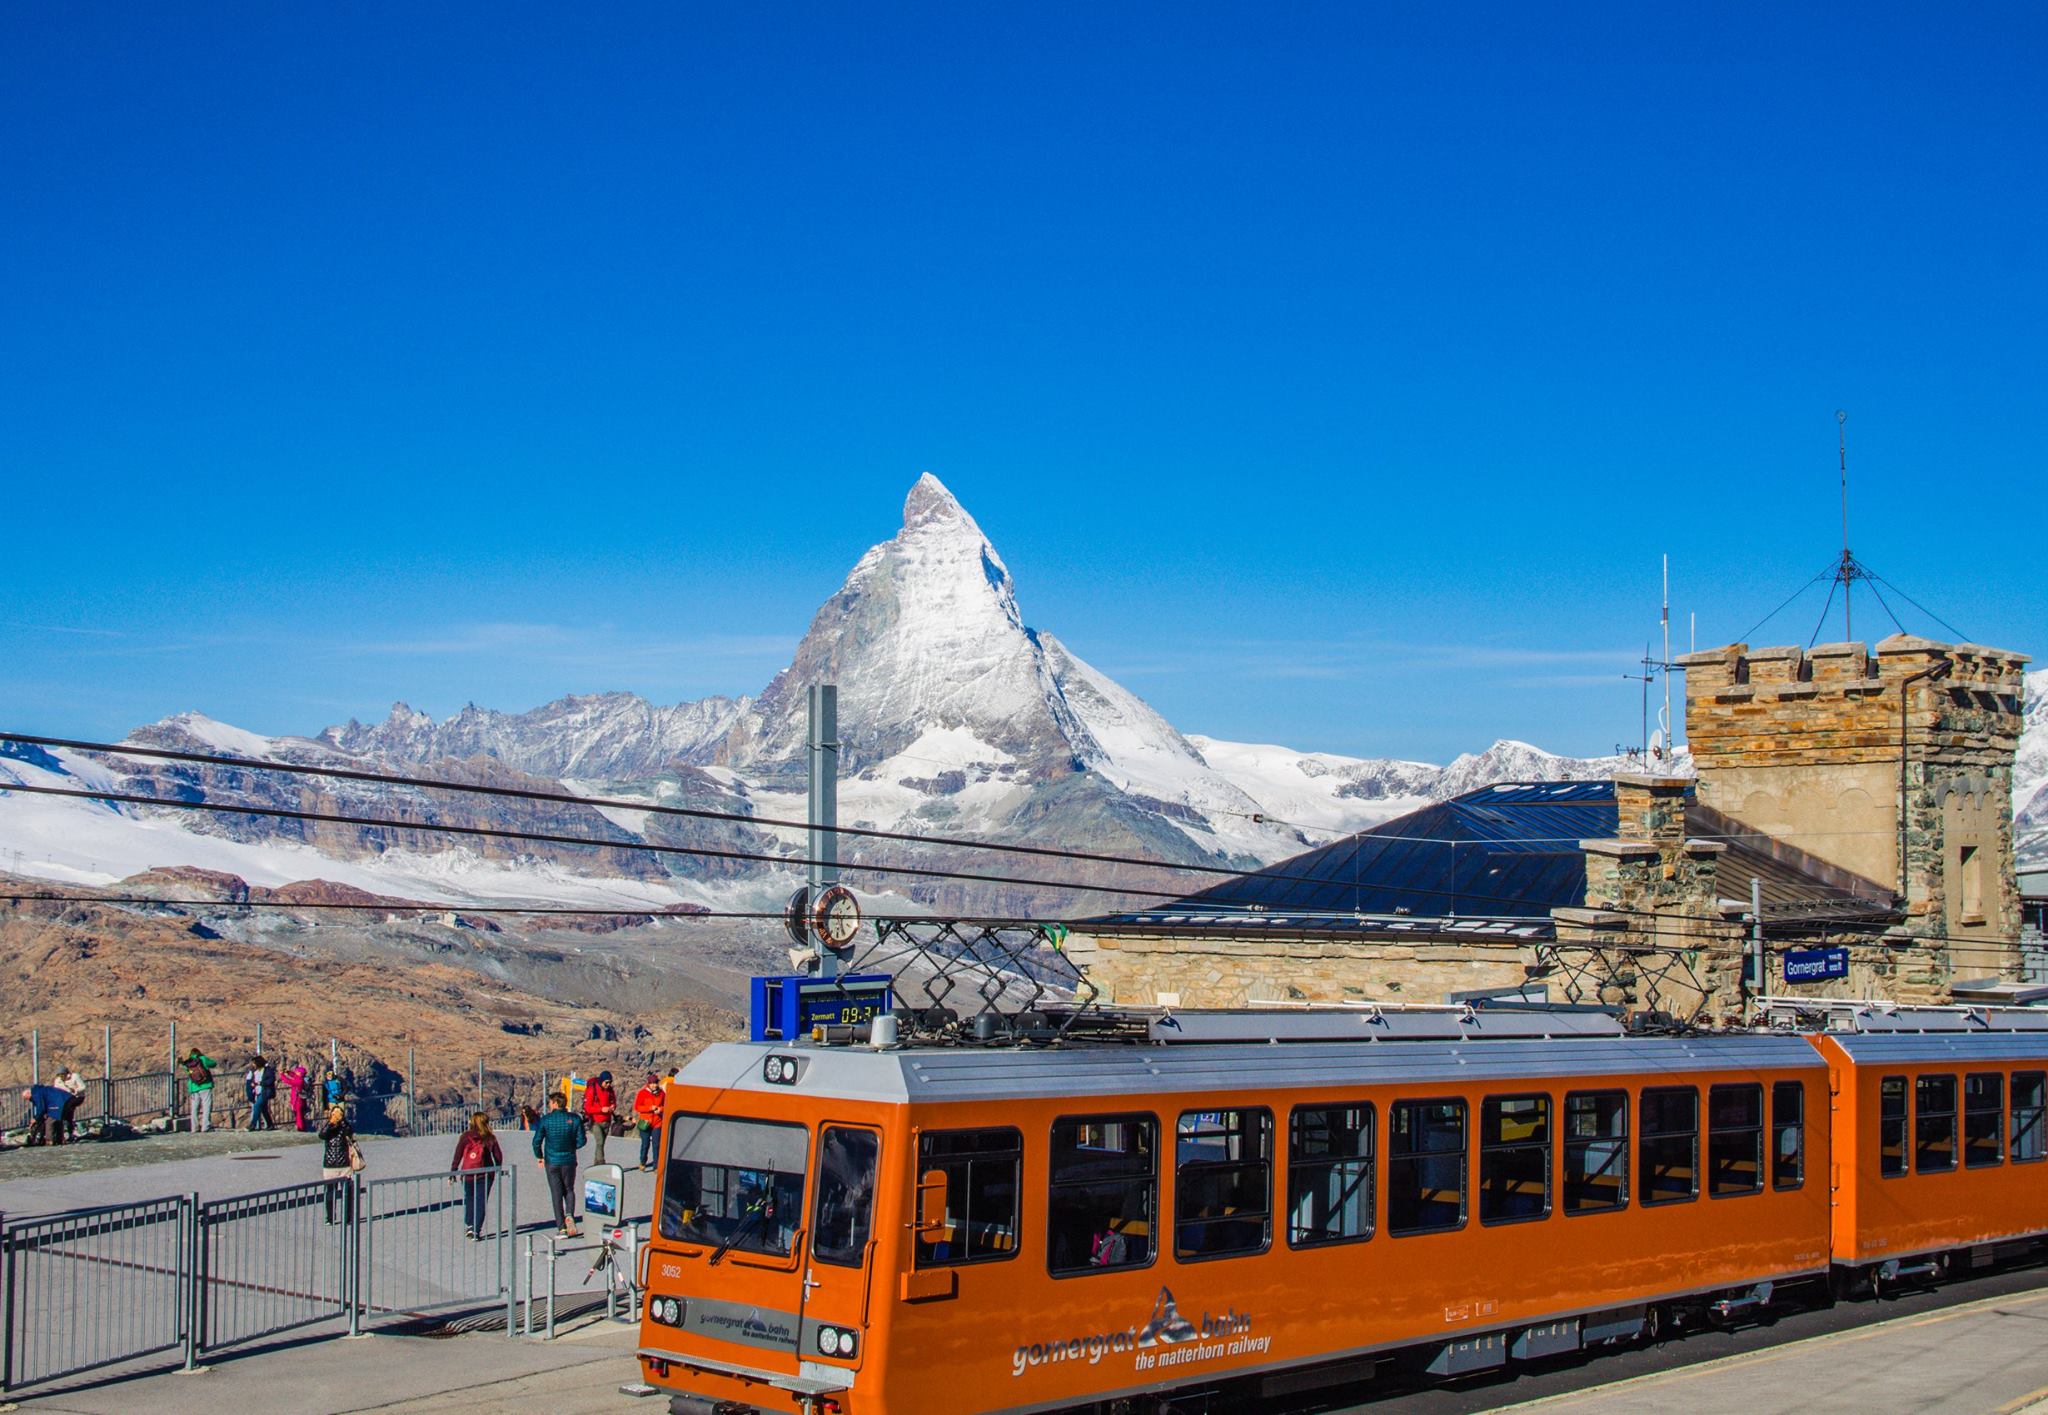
(275, 1261)
(414, 1264)
(98, 1288)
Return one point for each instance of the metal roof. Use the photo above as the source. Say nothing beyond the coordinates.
(1959, 1048)
(941, 1075)
(1495, 862)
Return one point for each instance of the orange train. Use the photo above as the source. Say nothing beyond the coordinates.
(1270, 1202)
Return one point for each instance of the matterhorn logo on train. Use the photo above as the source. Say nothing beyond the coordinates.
(1217, 1334)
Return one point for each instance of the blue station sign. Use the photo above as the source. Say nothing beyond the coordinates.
(1816, 965)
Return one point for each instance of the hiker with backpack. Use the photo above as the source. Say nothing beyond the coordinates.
(477, 1162)
(600, 1104)
(199, 1090)
(297, 1083)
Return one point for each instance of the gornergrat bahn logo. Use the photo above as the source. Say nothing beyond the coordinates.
(1217, 1334)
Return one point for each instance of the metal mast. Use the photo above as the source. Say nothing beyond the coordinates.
(824, 804)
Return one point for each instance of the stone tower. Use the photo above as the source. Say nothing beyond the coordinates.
(1894, 763)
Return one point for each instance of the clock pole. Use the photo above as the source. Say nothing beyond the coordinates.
(824, 814)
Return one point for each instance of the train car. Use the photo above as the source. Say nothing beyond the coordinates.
(1267, 1201)
(1938, 1124)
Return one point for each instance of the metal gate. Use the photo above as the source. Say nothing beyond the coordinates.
(417, 1255)
(94, 1288)
(275, 1261)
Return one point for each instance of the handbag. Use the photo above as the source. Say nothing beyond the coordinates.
(356, 1163)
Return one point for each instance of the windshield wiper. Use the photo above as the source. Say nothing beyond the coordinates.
(754, 1212)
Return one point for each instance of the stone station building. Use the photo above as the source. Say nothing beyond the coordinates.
(1866, 792)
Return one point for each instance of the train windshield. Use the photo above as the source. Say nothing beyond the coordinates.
(737, 1185)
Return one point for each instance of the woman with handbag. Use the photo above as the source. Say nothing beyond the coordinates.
(340, 1161)
(477, 1162)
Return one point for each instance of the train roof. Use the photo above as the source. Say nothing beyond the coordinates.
(936, 1075)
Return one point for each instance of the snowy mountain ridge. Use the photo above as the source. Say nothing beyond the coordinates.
(956, 718)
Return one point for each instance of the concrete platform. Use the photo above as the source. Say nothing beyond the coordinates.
(1988, 1357)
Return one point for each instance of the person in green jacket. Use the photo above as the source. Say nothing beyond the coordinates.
(556, 1139)
(199, 1089)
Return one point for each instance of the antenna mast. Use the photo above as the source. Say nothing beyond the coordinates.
(1664, 618)
(1848, 571)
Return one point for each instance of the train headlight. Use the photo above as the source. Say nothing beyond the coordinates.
(837, 1341)
(828, 1340)
(667, 1310)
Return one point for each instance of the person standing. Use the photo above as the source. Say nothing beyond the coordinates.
(555, 1142)
(332, 1091)
(297, 1081)
(647, 1105)
(45, 1113)
(477, 1162)
(199, 1090)
(266, 1092)
(600, 1104)
(72, 1085)
(338, 1162)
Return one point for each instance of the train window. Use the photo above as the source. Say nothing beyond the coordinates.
(1934, 1124)
(1891, 1126)
(982, 1169)
(734, 1184)
(1222, 1184)
(2029, 1101)
(1735, 1140)
(1329, 1175)
(1514, 1158)
(1425, 1166)
(1104, 1193)
(842, 1214)
(1595, 1151)
(1983, 1119)
(1670, 1144)
(1788, 1135)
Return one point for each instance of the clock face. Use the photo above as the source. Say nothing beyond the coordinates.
(836, 916)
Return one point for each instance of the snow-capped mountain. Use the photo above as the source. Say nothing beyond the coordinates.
(955, 718)
(2030, 776)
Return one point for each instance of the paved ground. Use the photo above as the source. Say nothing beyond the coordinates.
(93, 1156)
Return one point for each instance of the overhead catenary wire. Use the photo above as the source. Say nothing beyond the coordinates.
(1457, 896)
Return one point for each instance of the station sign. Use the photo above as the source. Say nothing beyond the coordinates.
(1816, 965)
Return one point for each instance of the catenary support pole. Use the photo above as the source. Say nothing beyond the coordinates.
(1759, 984)
(824, 804)
(412, 1095)
(35, 1056)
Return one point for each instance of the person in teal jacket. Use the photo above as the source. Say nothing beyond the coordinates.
(556, 1139)
(199, 1089)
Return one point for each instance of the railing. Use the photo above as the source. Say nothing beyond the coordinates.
(100, 1288)
(94, 1288)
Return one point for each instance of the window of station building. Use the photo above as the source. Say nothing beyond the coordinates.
(1983, 1119)
(1891, 1126)
(1425, 1166)
(1788, 1135)
(1670, 1144)
(1735, 1140)
(1934, 1124)
(1595, 1151)
(2029, 1101)
(1222, 1184)
(1104, 1193)
(983, 1169)
(1329, 1175)
(1514, 1158)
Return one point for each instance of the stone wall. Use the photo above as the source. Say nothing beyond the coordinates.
(1202, 971)
(1806, 747)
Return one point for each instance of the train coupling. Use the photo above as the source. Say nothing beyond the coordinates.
(1749, 1301)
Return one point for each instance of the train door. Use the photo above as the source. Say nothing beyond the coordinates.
(840, 1263)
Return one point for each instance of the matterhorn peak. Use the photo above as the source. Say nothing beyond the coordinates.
(930, 503)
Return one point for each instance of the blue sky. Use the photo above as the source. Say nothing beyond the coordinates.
(1332, 375)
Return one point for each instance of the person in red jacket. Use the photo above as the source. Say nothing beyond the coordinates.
(647, 1103)
(477, 1162)
(600, 1104)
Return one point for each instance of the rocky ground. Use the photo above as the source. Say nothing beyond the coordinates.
(524, 1001)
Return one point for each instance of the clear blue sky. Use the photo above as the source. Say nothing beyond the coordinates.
(1333, 375)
